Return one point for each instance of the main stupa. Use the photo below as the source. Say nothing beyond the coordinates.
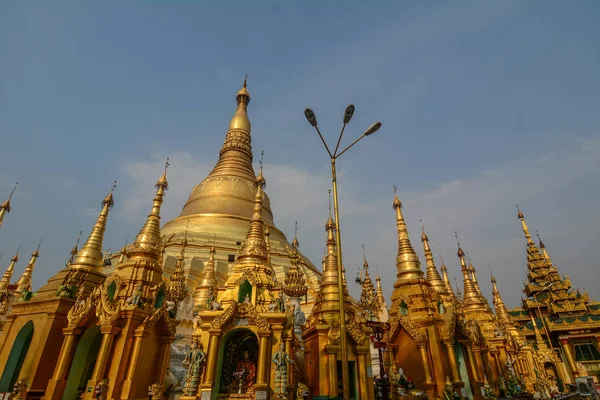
(217, 215)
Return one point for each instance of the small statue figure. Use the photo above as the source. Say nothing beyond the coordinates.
(281, 359)
(210, 300)
(277, 304)
(155, 391)
(245, 373)
(247, 298)
(194, 361)
(65, 289)
(171, 309)
(302, 392)
(25, 295)
(102, 389)
(488, 392)
(509, 366)
(19, 390)
(136, 296)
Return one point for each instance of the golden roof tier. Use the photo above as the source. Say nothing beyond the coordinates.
(219, 210)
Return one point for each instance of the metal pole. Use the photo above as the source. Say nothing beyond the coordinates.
(343, 343)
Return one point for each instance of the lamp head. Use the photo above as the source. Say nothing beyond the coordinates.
(373, 128)
(349, 113)
(310, 117)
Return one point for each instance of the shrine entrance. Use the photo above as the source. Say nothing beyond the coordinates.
(236, 373)
(462, 369)
(552, 375)
(84, 361)
(17, 355)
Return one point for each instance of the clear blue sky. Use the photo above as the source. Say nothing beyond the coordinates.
(483, 104)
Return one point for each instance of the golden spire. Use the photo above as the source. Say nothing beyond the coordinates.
(501, 311)
(433, 275)
(235, 157)
(544, 251)
(295, 281)
(535, 260)
(368, 297)
(74, 250)
(177, 289)
(5, 207)
(90, 255)
(407, 262)
(445, 278)
(149, 240)
(254, 249)
(329, 281)
(384, 315)
(470, 295)
(24, 282)
(9, 272)
(208, 281)
(473, 276)
(123, 255)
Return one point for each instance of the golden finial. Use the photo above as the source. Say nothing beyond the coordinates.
(365, 263)
(9, 271)
(329, 193)
(124, 251)
(432, 275)
(397, 203)
(162, 181)
(519, 213)
(24, 282)
(540, 240)
(5, 207)
(295, 243)
(243, 96)
(260, 179)
(294, 284)
(90, 255)
(460, 253)
(254, 249)
(74, 250)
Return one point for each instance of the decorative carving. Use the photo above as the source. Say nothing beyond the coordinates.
(334, 334)
(254, 318)
(156, 391)
(222, 319)
(355, 331)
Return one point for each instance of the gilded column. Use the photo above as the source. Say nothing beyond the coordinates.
(566, 346)
(478, 363)
(264, 362)
(211, 362)
(134, 360)
(472, 364)
(361, 369)
(56, 385)
(165, 351)
(452, 361)
(108, 335)
(496, 356)
(487, 367)
(425, 360)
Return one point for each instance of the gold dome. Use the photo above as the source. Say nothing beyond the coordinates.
(220, 208)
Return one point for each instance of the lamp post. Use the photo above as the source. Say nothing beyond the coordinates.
(312, 119)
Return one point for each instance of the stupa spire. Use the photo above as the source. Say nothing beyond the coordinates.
(384, 315)
(501, 311)
(470, 294)
(544, 251)
(123, 255)
(295, 281)
(235, 157)
(535, 260)
(5, 207)
(445, 277)
(177, 288)
(24, 282)
(473, 276)
(254, 249)
(407, 262)
(368, 297)
(149, 240)
(90, 255)
(433, 275)
(9, 272)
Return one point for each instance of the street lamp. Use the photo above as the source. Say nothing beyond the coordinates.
(312, 119)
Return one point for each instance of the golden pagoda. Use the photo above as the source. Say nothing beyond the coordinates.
(569, 321)
(118, 338)
(219, 210)
(421, 340)
(245, 325)
(28, 342)
(322, 335)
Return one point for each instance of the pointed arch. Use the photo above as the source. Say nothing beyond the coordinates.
(17, 355)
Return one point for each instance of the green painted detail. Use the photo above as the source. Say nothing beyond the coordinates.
(83, 363)
(245, 288)
(112, 288)
(403, 308)
(16, 357)
(160, 298)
